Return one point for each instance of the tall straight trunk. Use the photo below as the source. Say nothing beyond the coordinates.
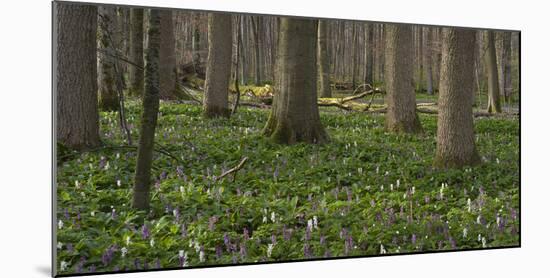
(218, 67)
(354, 55)
(455, 124)
(75, 84)
(428, 59)
(142, 182)
(369, 54)
(493, 105)
(323, 63)
(295, 116)
(196, 43)
(419, 60)
(242, 50)
(136, 52)
(108, 99)
(400, 97)
(167, 66)
(503, 48)
(256, 31)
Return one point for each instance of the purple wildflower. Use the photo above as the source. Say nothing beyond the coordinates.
(245, 234)
(163, 175)
(227, 241)
(322, 240)
(92, 268)
(413, 239)
(273, 239)
(145, 232)
(243, 250)
(179, 171)
(218, 252)
(137, 264)
(212, 223)
(307, 251)
(453, 243)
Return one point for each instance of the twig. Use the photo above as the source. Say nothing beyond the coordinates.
(232, 170)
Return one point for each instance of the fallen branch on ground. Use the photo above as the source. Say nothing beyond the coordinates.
(232, 170)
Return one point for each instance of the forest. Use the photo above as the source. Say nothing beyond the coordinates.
(187, 138)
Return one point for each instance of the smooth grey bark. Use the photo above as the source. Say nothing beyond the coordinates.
(323, 63)
(504, 59)
(428, 59)
(196, 43)
(295, 116)
(493, 102)
(455, 125)
(218, 67)
(142, 181)
(75, 75)
(167, 66)
(136, 52)
(400, 96)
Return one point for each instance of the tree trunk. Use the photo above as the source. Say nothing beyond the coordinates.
(149, 114)
(256, 31)
(167, 66)
(218, 68)
(196, 43)
(354, 55)
(400, 97)
(369, 54)
(136, 52)
(295, 116)
(419, 62)
(493, 105)
(324, 71)
(455, 125)
(428, 59)
(503, 42)
(108, 99)
(75, 75)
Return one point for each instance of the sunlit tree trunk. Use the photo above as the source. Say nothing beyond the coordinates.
(295, 116)
(142, 182)
(455, 125)
(218, 67)
(369, 54)
(428, 59)
(400, 96)
(493, 105)
(75, 75)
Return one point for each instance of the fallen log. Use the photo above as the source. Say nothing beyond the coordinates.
(232, 170)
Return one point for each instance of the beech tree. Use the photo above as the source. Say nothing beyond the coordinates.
(493, 105)
(167, 66)
(75, 75)
(323, 63)
(427, 59)
(369, 54)
(295, 116)
(455, 125)
(149, 115)
(136, 52)
(400, 96)
(218, 68)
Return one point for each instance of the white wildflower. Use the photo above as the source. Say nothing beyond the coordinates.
(128, 240)
(478, 237)
(59, 245)
(273, 218)
(397, 183)
(118, 183)
(377, 169)
(483, 242)
(77, 184)
(152, 242)
(182, 189)
(197, 246)
(181, 253)
(117, 155)
(465, 232)
(382, 249)
(315, 222)
(469, 205)
(201, 256)
(478, 220)
(498, 221)
(123, 251)
(60, 224)
(264, 220)
(412, 190)
(382, 188)
(269, 250)
(391, 187)
(63, 266)
(309, 224)
(92, 213)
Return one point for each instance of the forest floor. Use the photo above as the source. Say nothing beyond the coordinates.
(367, 192)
